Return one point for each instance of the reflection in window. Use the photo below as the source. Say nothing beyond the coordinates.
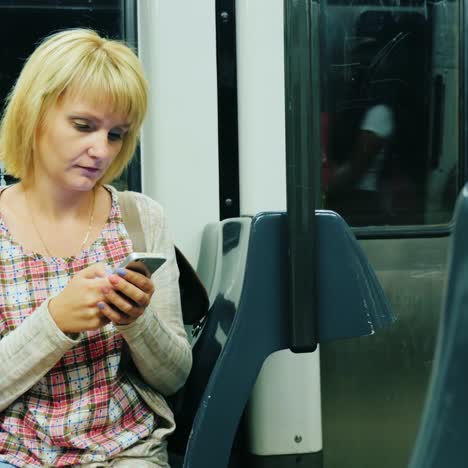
(390, 112)
(25, 23)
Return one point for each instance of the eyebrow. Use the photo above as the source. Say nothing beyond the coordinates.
(88, 116)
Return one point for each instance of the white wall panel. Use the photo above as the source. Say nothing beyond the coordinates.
(260, 80)
(177, 44)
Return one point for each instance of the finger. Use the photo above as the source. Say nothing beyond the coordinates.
(97, 288)
(123, 304)
(135, 294)
(111, 315)
(93, 271)
(98, 321)
(138, 279)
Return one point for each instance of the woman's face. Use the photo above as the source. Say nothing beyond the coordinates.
(77, 143)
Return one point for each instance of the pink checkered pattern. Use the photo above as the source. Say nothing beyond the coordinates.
(84, 409)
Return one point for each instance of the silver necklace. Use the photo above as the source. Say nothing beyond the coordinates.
(88, 232)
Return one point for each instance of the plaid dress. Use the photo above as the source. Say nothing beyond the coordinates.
(84, 409)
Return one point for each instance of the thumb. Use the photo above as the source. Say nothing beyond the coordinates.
(98, 270)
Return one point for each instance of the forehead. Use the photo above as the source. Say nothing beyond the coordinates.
(82, 106)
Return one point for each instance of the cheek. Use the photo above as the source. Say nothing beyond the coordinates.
(117, 150)
(57, 146)
(114, 154)
(46, 149)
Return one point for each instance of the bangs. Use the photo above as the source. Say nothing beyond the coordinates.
(102, 83)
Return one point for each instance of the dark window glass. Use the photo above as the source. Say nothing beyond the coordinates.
(390, 93)
(24, 24)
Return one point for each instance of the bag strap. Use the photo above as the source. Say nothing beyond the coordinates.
(193, 295)
(131, 219)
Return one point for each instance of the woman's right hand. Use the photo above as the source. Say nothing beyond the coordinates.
(76, 309)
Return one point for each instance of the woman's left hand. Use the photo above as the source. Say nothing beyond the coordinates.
(128, 297)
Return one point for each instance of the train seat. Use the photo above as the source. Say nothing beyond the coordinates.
(210, 259)
(221, 269)
(248, 321)
(441, 439)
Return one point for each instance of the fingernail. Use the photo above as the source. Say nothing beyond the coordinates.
(108, 270)
(101, 305)
(120, 271)
(114, 279)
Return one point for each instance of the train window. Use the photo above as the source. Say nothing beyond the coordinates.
(390, 94)
(24, 23)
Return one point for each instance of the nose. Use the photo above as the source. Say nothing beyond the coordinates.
(100, 147)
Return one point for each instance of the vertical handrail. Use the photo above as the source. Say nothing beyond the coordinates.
(302, 99)
(463, 76)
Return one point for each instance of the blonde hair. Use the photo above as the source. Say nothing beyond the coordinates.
(81, 63)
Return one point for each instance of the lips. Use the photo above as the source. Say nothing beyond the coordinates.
(90, 169)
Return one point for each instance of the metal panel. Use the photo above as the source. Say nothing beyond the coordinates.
(373, 388)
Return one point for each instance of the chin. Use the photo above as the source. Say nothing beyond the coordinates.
(83, 186)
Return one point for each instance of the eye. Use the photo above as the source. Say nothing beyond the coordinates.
(82, 125)
(115, 135)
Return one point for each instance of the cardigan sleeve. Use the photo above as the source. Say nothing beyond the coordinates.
(157, 340)
(29, 352)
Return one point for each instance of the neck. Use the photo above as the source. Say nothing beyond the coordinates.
(56, 203)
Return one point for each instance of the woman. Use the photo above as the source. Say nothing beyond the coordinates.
(66, 324)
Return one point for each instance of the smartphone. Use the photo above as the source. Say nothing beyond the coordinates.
(142, 262)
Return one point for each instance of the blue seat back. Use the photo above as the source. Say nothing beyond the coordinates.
(350, 303)
(442, 437)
